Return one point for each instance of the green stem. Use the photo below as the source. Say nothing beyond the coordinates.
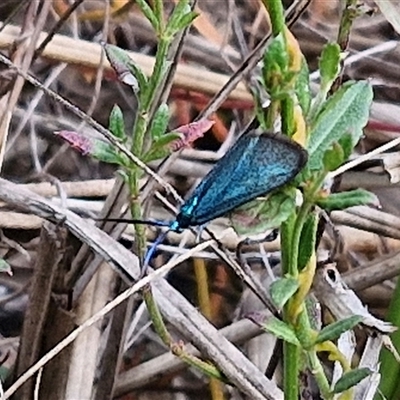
(136, 213)
(176, 348)
(137, 148)
(290, 237)
(349, 13)
(159, 69)
(287, 116)
(272, 114)
(319, 375)
(291, 362)
(304, 333)
(290, 242)
(286, 245)
(277, 17)
(156, 317)
(291, 352)
(276, 14)
(295, 244)
(159, 12)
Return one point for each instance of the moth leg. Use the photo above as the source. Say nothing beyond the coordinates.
(199, 231)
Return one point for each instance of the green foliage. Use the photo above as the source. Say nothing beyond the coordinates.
(333, 331)
(281, 330)
(329, 64)
(127, 70)
(302, 87)
(343, 200)
(160, 122)
(351, 379)
(116, 123)
(181, 17)
(106, 153)
(339, 152)
(282, 290)
(308, 240)
(149, 14)
(276, 61)
(333, 157)
(333, 126)
(159, 148)
(260, 215)
(344, 113)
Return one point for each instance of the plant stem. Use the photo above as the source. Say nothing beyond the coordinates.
(291, 357)
(349, 13)
(295, 243)
(291, 352)
(276, 14)
(290, 242)
(137, 148)
(319, 375)
(287, 116)
(159, 69)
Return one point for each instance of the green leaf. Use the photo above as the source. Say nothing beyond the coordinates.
(159, 148)
(160, 122)
(345, 113)
(282, 290)
(302, 87)
(276, 54)
(275, 66)
(346, 142)
(351, 379)
(181, 9)
(166, 139)
(333, 331)
(123, 175)
(158, 10)
(259, 95)
(341, 201)
(262, 214)
(186, 20)
(116, 123)
(338, 153)
(307, 240)
(329, 65)
(333, 157)
(149, 14)
(281, 330)
(126, 69)
(157, 154)
(105, 152)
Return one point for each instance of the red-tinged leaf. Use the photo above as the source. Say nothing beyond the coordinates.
(77, 141)
(190, 133)
(96, 148)
(127, 71)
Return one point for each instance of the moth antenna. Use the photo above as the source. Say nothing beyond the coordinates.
(133, 221)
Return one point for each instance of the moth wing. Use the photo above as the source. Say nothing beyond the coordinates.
(255, 165)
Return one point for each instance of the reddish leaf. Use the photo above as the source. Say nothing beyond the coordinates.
(77, 141)
(190, 133)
